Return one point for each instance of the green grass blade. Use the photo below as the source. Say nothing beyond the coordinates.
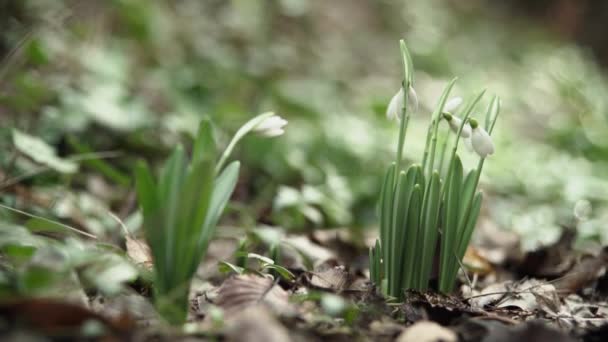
(386, 197)
(411, 239)
(169, 192)
(194, 210)
(222, 191)
(204, 145)
(449, 238)
(400, 214)
(429, 229)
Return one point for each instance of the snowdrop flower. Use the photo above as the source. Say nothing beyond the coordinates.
(271, 127)
(455, 123)
(480, 139)
(395, 106)
(452, 104)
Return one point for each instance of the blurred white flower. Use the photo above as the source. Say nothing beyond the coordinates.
(271, 127)
(395, 106)
(467, 144)
(582, 209)
(413, 100)
(455, 123)
(452, 104)
(481, 141)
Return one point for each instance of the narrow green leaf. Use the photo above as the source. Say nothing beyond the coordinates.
(204, 143)
(411, 239)
(226, 267)
(222, 191)
(386, 197)
(193, 210)
(169, 190)
(399, 215)
(451, 221)
(430, 232)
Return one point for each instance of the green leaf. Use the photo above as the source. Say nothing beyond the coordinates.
(193, 210)
(430, 232)
(205, 142)
(42, 153)
(386, 202)
(222, 191)
(282, 271)
(226, 267)
(410, 278)
(450, 225)
(400, 202)
(169, 190)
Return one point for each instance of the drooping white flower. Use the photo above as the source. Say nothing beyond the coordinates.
(393, 111)
(468, 144)
(271, 127)
(395, 106)
(455, 123)
(452, 104)
(412, 98)
(481, 141)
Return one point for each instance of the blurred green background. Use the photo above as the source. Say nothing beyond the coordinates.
(134, 77)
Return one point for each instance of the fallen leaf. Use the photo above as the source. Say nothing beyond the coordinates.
(583, 274)
(256, 324)
(426, 331)
(329, 277)
(242, 291)
(139, 252)
(53, 317)
(551, 261)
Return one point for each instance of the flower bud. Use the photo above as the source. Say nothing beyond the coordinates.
(481, 141)
(393, 111)
(395, 106)
(271, 127)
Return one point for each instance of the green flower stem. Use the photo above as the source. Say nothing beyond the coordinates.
(240, 134)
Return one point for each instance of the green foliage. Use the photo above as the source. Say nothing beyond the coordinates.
(420, 208)
(180, 210)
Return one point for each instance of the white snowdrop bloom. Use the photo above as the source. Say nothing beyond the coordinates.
(272, 126)
(412, 98)
(455, 123)
(467, 144)
(393, 111)
(452, 104)
(395, 106)
(481, 141)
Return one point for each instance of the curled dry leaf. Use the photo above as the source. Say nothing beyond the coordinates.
(528, 295)
(139, 252)
(242, 291)
(329, 277)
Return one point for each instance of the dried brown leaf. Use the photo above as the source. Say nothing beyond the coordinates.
(242, 291)
(139, 252)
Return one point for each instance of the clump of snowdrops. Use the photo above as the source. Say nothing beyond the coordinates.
(428, 211)
(182, 206)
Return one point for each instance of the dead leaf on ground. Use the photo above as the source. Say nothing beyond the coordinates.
(242, 291)
(139, 251)
(551, 261)
(426, 331)
(58, 318)
(329, 276)
(256, 324)
(583, 274)
(527, 295)
(494, 331)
